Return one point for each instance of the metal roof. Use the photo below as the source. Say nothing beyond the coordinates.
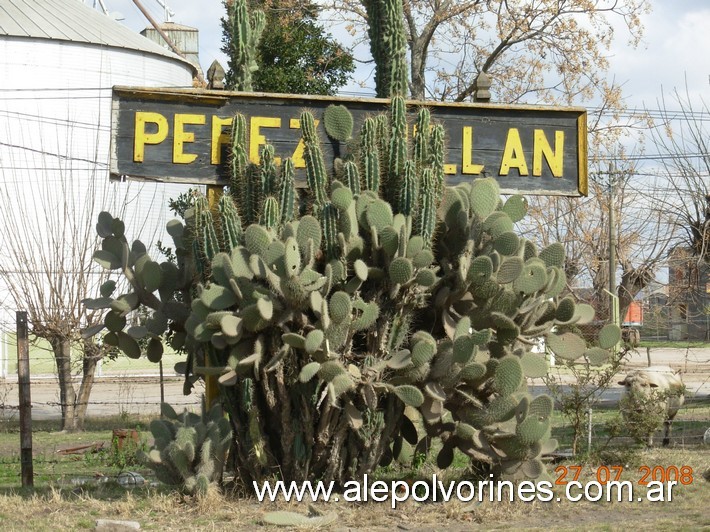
(71, 20)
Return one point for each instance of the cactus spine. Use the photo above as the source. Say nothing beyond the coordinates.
(315, 166)
(268, 171)
(370, 155)
(239, 160)
(286, 191)
(437, 158)
(205, 233)
(231, 223)
(352, 177)
(409, 192)
(422, 138)
(428, 204)
(397, 148)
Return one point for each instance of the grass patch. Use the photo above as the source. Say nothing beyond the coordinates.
(42, 359)
(676, 345)
(56, 503)
(53, 468)
(161, 509)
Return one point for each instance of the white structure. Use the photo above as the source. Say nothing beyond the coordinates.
(58, 62)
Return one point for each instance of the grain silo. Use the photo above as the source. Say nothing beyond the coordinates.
(58, 62)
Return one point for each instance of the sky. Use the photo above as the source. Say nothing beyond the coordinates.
(674, 49)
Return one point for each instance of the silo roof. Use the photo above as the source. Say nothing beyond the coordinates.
(72, 21)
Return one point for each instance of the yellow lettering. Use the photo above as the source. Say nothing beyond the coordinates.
(297, 157)
(450, 169)
(141, 138)
(541, 148)
(467, 166)
(181, 137)
(513, 155)
(219, 137)
(256, 139)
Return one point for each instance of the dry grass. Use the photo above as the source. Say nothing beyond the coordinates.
(77, 509)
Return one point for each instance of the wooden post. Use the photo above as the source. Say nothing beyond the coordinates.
(162, 387)
(23, 382)
(214, 193)
(648, 356)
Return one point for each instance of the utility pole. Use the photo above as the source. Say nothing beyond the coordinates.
(614, 300)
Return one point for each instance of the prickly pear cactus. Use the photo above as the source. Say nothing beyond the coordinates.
(190, 449)
(392, 311)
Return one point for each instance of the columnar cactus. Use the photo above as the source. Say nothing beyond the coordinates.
(246, 30)
(388, 46)
(324, 326)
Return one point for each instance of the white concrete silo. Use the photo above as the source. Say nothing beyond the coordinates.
(58, 62)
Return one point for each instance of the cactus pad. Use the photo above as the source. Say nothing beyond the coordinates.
(484, 197)
(565, 309)
(597, 356)
(534, 366)
(422, 352)
(553, 255)
(531, 279)
(256, 239)
(508, 375)
(507, 243)
(339, 306)
(401, 270)
(568, 346)
(409, 395)
(308, 371)
(509, 270)
(314, 340)
(379, 215)
(338, 122)
(481, 269)
(308, 229)
(516, 207)
(609, 336)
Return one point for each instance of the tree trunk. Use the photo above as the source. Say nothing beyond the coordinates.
(92, 354)
(418, 57)
(67, 394)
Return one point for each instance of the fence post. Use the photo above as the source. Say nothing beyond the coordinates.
(648, 356)
(3, 356)
(23, 383)
(589, 430)
(162, 387)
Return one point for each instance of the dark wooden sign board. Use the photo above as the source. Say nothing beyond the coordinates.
(182, 136)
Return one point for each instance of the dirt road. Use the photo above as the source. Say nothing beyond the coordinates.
(140, 394)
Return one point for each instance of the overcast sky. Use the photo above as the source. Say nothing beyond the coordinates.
(676, 45)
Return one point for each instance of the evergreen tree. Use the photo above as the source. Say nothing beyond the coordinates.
(294, 55)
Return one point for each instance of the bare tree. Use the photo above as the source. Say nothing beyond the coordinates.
(643, 235)
(548, 50)
(47, 224)
(682, 140)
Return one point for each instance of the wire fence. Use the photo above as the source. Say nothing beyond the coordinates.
(117, 395)
(125, 389)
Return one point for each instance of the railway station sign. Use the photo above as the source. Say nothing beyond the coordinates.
(182, 136)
